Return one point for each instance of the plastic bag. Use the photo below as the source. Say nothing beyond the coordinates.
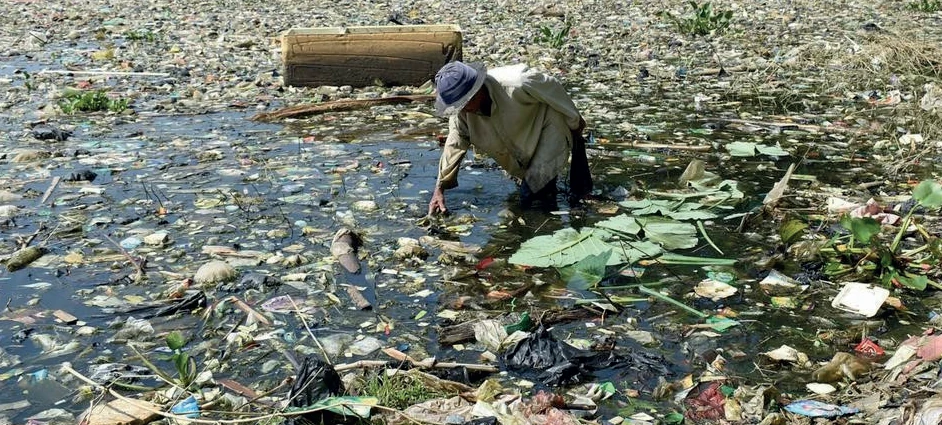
(559, 363)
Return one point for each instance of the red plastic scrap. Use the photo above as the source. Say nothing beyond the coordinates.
(485, 263)
(706, 402)
(869, 348)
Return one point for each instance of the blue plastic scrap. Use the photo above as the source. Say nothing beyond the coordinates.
(187, 407)
(817, 409)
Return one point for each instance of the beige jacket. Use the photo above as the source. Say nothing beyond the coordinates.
(527, 132)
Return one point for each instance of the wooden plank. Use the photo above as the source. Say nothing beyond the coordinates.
(308, 109)
(65, 317)
(52, 186)
(122, 412)
(238, 388)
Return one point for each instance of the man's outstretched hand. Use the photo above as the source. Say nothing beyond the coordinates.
(437, 204)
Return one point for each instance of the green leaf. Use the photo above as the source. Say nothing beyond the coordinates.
(669, 233)
(181, 361)
(347, 405)
(677, 210)
(863, 228)
(524, 324)
(638, 204)
(420, 315)
(622, 224)
(724, 277)
(928, 193)
(712, 192)
(562, 248)
(741, 148)
(692, 215)
(674, 418)
(917, 282)
(660, 206)
(727, 390)
(771, 150)
(608, 388)
(689, 206)
(721, 324)
(835, 269)
(630, 252)
(792, 230)
(587, 273)
(175, 340)
(671, 258)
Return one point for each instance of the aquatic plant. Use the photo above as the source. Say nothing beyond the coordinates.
(926, 6)
(141, 35)
(90, 101)
(398, 391)
(864, 251)
(703, 21)
(554, 38)
(182, 362)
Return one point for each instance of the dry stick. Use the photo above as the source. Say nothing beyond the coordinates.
(140, 270)
(805, 127)
(29, 240)
(462, 332)
(259, 396)
(369, 364)
(358, 298)
(431, 363)
(716, 71)
(301, 111)
(309, 332)
(52, 186)
(185, 419)
(115, 73)
(250, 311)
(159, 373)
(707, 237)
(638, 145)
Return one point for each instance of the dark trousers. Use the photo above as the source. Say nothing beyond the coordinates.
(580, 181)
(545, 196)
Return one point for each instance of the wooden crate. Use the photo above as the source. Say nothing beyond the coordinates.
(361, 56)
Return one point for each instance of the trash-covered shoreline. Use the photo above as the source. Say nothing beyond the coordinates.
(761, 247)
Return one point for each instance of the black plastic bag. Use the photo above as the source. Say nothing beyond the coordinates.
(557, 363)
(489, 420)
(316, 380)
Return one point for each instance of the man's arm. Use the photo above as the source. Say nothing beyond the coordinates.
(456, 147)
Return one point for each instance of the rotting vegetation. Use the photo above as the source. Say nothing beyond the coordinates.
(714, 296)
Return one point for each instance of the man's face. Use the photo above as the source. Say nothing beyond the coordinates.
(474, 105)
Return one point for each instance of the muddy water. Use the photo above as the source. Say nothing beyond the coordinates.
(312, 176)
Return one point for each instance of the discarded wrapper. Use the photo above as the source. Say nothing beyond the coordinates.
(817, 409)
(860, 298)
